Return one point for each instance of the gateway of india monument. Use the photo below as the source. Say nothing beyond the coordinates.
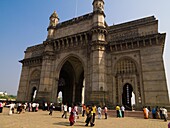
(91, 62)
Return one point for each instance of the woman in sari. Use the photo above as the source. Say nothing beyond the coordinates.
(146, 112)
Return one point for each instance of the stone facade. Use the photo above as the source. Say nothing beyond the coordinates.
(90, 61)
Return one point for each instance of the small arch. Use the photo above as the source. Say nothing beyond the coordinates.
(127, 96)
(33, 94)
(33, 84)
(101, 88)
(60, 97)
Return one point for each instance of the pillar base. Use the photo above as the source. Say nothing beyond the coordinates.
(98, 98)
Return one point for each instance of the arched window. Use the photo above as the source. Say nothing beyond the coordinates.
(125, 66)
(35, 75)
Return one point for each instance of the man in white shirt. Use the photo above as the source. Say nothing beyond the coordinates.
(164, 113)
(65, 111)
(122, 110)
(99, 110)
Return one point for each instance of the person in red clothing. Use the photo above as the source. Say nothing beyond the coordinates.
(84, 109)
(71, 119)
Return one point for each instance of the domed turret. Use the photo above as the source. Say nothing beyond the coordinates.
(98, 13)
(54, 20)
(98, 5)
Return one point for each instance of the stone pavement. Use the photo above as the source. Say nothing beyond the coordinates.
(41, 119)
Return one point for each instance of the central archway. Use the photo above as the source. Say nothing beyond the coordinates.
(127, 96)
(70, 82)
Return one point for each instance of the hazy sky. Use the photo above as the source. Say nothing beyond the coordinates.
(24, 23)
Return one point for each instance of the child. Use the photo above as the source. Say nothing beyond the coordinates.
(71, 118)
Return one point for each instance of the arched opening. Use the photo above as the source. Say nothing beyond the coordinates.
(33, 94)
(60, 97)
(66, 82)
(126, 75)
(34, 85)
(127, 96)
(71, 81)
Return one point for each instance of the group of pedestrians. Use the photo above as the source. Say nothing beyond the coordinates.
(159, 113)
(90, 115)
(19, 107)
(90, 111)
(120, 111)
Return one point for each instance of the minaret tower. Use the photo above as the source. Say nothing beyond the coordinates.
(98, 55)
(99, 28)
(98, 11)
(54, 20)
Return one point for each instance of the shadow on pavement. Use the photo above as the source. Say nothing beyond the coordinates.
(62, 123)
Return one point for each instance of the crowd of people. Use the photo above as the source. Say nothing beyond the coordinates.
(157, 113)
(19, 107)
(120, 111)
(72, 112)
(90, 111)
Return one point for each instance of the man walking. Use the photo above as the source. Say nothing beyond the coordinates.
(122, 110)
(65, 111)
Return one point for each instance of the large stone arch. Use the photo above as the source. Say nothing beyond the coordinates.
(126, 70)
(70, 70)
(62, 61)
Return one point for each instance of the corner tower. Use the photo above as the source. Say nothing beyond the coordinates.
(98, 55)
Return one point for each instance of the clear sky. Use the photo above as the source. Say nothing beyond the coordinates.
(24, 23)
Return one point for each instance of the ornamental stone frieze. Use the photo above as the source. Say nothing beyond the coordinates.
(32, 61)
(139, 42)
(79, 40)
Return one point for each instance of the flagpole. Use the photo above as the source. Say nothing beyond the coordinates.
(76, 8)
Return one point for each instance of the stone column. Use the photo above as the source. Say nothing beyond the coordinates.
(23, 85)
(98, 74)
(71, 42)
(54, 90)
(46, 79)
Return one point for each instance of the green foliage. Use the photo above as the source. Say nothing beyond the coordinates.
(12, 96)
(7, 97)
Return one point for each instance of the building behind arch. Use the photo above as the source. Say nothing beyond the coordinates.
(91, 62)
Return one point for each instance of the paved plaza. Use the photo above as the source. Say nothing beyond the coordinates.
(41, 119)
